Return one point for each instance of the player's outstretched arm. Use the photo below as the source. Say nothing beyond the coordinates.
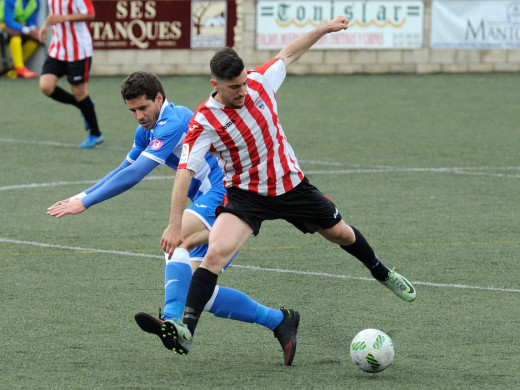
(300, 45)
(172, 236)
(116, 182)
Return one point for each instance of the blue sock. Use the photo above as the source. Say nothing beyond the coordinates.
(234, 304)
(177, 277)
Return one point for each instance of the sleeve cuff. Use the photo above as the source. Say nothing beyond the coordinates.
(81, 195)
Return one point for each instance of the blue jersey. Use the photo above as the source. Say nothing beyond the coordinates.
(163, 144)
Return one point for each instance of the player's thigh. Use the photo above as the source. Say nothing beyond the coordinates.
(226, 237)
(194, 230)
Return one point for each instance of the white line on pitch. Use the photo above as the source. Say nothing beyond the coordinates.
(251, 267)
(52, 143)
(66, 183)
(470, 171)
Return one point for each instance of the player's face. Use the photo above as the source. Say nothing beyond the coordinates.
(231, 92)
(146, 111)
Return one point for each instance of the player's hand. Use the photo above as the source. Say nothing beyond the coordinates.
(58, 203)
(66, 207)
(41, 33)
(171, 239)
(34, 34)
(338, 23)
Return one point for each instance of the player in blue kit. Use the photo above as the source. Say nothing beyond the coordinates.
(158, 140)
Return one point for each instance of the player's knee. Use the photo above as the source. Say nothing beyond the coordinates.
(341, 234)
(46, 88)
(347, 235)
(216, 258)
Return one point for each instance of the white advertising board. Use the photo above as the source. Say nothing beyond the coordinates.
(373, 24)
(475, 24)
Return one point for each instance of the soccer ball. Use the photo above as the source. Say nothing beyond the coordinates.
(372, 350)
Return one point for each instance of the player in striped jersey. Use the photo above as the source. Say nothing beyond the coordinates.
(157, 141)
(239, 124)
(70, 53)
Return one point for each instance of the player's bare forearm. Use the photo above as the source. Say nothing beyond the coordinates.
(172, 236)
(53, 19)
(300, 45)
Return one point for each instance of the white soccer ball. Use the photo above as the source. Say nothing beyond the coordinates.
(372, 350)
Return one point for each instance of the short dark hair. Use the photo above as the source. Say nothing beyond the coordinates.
(138, 84)
(226, 64)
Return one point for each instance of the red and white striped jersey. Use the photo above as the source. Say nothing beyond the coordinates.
(249, 141)
(71, 41)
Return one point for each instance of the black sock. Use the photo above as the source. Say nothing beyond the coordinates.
(87, 109)
(63, 96)
(362, 251)
(202, 285)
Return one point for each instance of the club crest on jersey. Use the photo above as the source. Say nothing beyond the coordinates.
(156, 144)
(184, 154)
(259, 103)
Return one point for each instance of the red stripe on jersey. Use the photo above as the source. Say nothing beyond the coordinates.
(58, 48)
(74, 53)
(228, 141)
(268, 141)
(53, 11)
(64, 39)
(252, 149)
(75, 49)
(90, 6)
(286, 179)
(263, 68)
(262, 123)
(194, 130)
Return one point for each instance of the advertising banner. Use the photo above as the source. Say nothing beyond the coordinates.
(475, 24)
(373, 24)
(163, 24)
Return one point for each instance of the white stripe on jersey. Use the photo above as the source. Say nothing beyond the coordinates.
(249, 141)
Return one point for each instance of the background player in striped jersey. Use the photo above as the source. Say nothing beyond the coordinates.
(158, 140)
(239, 124)
(70, 53)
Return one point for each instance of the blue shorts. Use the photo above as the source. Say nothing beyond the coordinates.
(203, 208)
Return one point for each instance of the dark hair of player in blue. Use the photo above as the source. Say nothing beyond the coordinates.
(226, 65)
(140, 83)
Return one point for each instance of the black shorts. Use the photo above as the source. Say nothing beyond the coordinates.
(304, 206)
(77, 71)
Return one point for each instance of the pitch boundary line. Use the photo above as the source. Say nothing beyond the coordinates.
(254, 268)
